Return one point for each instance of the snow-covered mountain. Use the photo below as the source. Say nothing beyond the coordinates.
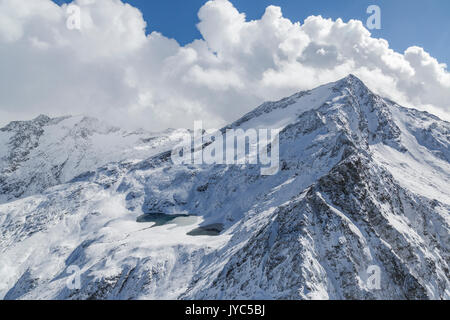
(362, 182)
(41, 153)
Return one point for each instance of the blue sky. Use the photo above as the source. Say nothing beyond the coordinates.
(404, 22)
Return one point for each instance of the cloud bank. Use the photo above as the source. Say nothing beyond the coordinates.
(112, 70)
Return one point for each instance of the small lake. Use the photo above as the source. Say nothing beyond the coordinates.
(210, 230)
(160, 219)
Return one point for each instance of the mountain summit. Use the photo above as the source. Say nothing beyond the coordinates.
(364, 184)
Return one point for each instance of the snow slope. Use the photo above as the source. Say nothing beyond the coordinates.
(362, 182)
(44, 152)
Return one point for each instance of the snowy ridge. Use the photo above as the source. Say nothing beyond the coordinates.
(362, 182)
(44, 152)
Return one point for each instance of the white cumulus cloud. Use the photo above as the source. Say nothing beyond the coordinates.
(112, 70)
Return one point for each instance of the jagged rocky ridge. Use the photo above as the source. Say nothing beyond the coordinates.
(362, 182)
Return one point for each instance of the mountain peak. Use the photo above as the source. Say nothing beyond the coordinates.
(42, 118)
(351, 76)
(306, 100)
(351, 81)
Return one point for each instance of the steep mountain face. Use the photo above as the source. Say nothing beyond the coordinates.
(363, 182)
(41, 153)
